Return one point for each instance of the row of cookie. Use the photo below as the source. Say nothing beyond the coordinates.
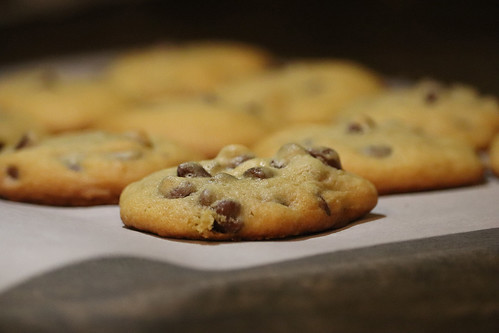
(421, 133)
(93, 167)
(397, 158)
(64, 97)
(249, 110)
(234, 196)
(207, 123)
(173, 87)
(243, 77)
(300, 91)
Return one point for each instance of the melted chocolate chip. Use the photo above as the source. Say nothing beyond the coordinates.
(181, 191)
(2, 145)
(324, 206)
(378, 151)
(227, 220)
(192, 169)
(259, 173)
(326, 155)
(12, 172)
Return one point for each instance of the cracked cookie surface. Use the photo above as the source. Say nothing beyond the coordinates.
(239, 196)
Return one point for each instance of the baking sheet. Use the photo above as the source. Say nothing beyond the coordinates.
(35, 239)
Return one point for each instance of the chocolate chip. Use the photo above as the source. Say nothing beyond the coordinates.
(227, 220)
(206, 197)
(378, 151)
(181, 191)
(25, 141)
(228, 208)
(326, 155)
(354, 128)
(360, 127)
(324, 206)
(13, 172)
(258, 172)
(431, 97)
(192, 169)
(240, 159)
(2, 145)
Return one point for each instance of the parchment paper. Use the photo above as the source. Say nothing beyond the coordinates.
(35, 239)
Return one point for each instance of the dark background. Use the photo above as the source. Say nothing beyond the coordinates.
(448, 40)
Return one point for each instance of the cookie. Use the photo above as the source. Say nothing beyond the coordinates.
(455, 111)
(304, 91)
(84, 168)
(202, 124)
(494, 155)
(184, 69)
(238, 196)
(57, 101)
(15, 128)
(396, 158)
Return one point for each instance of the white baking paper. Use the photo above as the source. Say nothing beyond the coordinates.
(35, 239)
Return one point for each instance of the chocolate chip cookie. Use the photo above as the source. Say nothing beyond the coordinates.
(239, 196)
(304, 91)
(183, 69)
(82, 169)
(456, 111)
(57, 101)
(14, 129)
(396, 158)
(203, 124)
